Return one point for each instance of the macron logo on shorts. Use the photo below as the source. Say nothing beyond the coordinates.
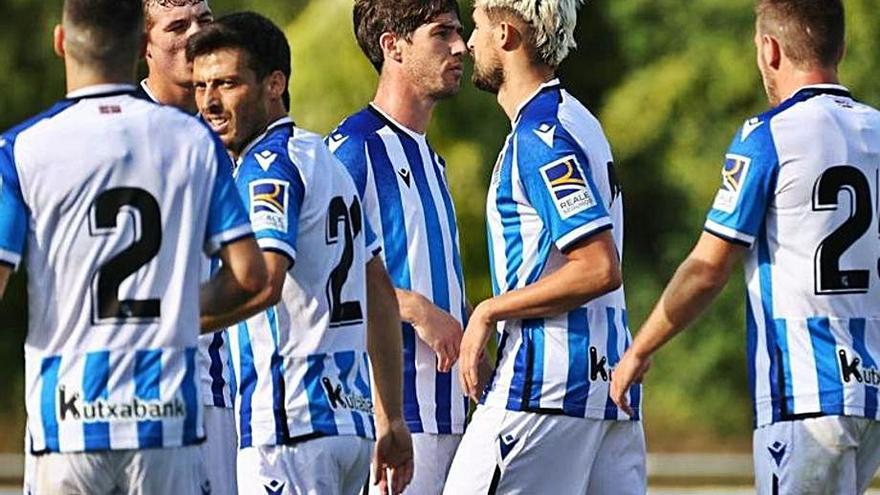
(777, 450)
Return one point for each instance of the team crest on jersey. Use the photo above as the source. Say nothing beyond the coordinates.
(569, 189)
(269, 204)
(733, 177)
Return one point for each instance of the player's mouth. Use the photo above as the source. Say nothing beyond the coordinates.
(219, 124)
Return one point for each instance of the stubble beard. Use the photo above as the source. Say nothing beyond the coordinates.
(488, 79)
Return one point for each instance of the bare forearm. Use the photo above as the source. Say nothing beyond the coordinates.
(691, 290)
(224, 303)
(5, 273)
(410, 305)
(572, 286)
(384, 346)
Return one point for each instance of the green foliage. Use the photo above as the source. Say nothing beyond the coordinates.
(671, 83)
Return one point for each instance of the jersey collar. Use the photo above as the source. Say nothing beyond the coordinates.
(395, 124)
(830, 89)
(146, 91)
(553, 83)
(101, 91)
(283, 121)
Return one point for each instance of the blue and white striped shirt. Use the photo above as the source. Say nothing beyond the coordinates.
(115, 199)
(302, 365)
(800, 190)
(406, 197)
(553, 186)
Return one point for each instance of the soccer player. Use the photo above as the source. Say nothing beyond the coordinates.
(417, 48)
(555, 217)
(305, 401)
(169, 24)
(113, 199)
(798, 202)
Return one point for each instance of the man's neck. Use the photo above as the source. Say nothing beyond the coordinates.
(275, 114)
(79, 77)
(520, 84)
(799, 79)
(168, 93)
(404, 103)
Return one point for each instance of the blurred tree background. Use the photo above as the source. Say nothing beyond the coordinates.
(671, 83)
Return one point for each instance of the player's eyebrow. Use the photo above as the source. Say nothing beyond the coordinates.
(447, 26)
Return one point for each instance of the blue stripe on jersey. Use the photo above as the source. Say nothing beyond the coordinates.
(362, 384)
(320, 410)
(147, 376)
(752, 357)
(230, 368)
(496, 287)
(96, 376)
(394, 242)
(439, 276)
(577, 387)
(825, 354)
(345, 362)
(515, 395)
(218, 384)
(544, 245)
(189, 389)
(282, 432)
(49, 377)
(773, 332)
(613, 357)
(860, 345)
(787, 401)
(510, 224)
(536, 363)
(453, 234)
(247, 385)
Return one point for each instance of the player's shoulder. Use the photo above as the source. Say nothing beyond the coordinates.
(553, 126)
(270, 154)
(9, 137)
(348, 139)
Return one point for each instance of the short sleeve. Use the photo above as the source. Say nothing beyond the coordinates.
(273, 197)
(748, 182)
(559, 186)
(227, 220)
(353, 154)
(13, 211)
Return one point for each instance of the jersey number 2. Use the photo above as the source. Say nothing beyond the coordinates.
(106, 306)
(830, 279)
(344, 224)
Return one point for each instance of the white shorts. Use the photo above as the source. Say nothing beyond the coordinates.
(432, 455)
(328, 465)
(831, 454)
(513, 452)
(130, 472)
(220, 450)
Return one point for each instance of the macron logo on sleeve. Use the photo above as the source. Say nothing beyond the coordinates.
(749, 127)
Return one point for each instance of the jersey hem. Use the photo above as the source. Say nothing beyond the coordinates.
(583, 232)
(836, 409)
(417, 426)
(234, 234)
(123, 443)
(728, 234)
(600, 413)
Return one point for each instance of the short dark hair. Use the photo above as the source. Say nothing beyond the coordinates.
(264, 43)
(104, 32)
(372, 18)
(811, 32)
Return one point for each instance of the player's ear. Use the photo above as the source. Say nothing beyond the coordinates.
(771, 52)
(390, 45)
(58, 40)
(276, 84)
(507, 36)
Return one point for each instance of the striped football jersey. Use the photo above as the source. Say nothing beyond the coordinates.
(553, 186)
(406, 198)
(302, 365)
(800, 190)
(115, 200)
(215, 369)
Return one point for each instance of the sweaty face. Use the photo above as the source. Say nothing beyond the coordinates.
(488, 71)
(432, 58)
(166, 39)
(230, 97)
